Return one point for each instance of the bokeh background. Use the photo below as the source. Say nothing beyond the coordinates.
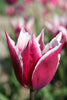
(34, 14)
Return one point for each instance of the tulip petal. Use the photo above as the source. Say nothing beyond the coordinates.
(55, 42)
(46, 68)
(40, 39)
(26, 56)
(22, 40)
(35, 49)
(31, 54)
(16, 58)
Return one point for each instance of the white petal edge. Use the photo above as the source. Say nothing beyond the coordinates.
(23, 35)
(54, 42)
(17, 51)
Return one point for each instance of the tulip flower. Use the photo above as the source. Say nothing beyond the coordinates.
(54, 2)
(17, 25)
(50, 2)
(53, 25)
(44, 2)
(63, 4)
(64, 21)
(28, 1)
(10, 10)
(20, 9)
(56, 22)
(35, 63)
(57, 25)
(45, 13)
(11, 1)
(21, 22)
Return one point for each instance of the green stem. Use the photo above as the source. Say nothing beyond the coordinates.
(31, 94)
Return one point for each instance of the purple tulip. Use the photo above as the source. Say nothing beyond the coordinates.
(35, 63)
(11, 1)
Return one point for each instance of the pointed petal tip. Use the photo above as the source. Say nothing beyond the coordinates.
(7, 36)
(32, 37)
(43, 28)
(61, 37)
(6, 33)
(42, 32)
(16, 58)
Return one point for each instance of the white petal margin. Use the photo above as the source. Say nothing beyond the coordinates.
(22, 39)
(55, 42)
(16, 49)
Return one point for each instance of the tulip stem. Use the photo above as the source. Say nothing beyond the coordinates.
(31, 94)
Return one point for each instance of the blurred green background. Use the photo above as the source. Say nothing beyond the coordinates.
(10, 89)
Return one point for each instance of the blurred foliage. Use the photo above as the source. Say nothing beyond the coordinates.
(2, 97)
(3, 4)
(45, 93)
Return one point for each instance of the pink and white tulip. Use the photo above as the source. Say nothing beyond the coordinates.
(57, 25)
(53, 25)
(64, 21)
(63, 4)
(21, 22)
(50, 2)
(35, 63)
(44, 2)
(10, 10)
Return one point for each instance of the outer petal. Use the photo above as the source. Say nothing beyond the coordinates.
(22, 40)
(46, 68)
(16, 59)
(31, 54)
(40, 39)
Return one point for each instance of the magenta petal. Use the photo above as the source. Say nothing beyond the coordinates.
(31, 54)
(22, 40)
(46, 68)
(16, 59)
(26, 56)
(40, 39)
(35, 49)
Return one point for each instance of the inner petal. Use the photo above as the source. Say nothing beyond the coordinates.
(22, 40)
(55, 42)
